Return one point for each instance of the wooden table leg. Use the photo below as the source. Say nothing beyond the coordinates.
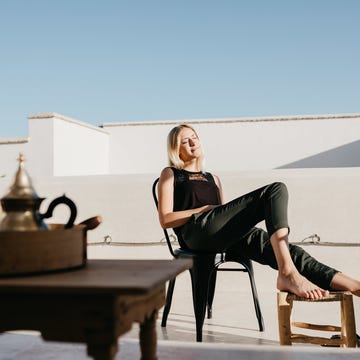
(148, 340)
(102, 351)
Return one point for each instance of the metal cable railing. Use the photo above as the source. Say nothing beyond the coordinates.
(313, 239)
(109, 242)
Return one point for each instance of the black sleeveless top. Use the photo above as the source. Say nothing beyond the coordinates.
(194, 189)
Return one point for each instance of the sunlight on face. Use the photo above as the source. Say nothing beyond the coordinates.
(190, 146)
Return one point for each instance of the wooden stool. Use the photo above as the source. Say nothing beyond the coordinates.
(347, 329)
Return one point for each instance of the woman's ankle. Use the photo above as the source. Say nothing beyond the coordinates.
(287, 270)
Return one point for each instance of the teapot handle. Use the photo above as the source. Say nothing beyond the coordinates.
(62, 200)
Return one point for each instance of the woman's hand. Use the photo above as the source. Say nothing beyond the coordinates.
(207, 208)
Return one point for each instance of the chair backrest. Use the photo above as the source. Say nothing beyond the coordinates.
(166, 233)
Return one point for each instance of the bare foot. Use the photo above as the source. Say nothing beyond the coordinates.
(356, 292)
(300, 286)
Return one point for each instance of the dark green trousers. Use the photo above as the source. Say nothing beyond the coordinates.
(256, 246)
(231, 228)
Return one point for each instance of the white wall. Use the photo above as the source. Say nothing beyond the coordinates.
(273, 144)
(79, 149)
(61, 146)
(322, 201)
(40, 155)
(243, 144)
(137, 148)
(9, 152)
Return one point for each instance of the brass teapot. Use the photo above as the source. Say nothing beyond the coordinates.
(21, 205)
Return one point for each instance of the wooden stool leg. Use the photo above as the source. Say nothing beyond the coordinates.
(348, 330)
(284, 318)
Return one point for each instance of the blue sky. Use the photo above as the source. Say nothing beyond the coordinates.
(137, 60)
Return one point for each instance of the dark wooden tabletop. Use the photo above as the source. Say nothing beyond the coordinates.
(101, 277)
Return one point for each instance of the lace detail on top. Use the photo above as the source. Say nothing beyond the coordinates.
(197, 176)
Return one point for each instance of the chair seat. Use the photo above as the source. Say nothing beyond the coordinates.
(181, 252)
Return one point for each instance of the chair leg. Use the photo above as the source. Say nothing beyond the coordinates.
(200, 276)
(256, 303)
(169, 295)
(259, 316)
(210, 299)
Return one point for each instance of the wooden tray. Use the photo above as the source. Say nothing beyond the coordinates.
(23, 252)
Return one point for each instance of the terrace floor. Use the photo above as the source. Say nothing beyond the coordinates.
(232, 333)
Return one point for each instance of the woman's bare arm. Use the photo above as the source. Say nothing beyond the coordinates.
(218, 183)
(169, 218)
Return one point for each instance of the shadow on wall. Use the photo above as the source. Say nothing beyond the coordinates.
(343, 156)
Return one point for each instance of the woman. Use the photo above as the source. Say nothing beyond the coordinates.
(191, 201)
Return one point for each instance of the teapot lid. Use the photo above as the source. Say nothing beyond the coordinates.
(22, 187)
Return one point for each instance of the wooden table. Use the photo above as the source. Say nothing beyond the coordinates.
(95, 304)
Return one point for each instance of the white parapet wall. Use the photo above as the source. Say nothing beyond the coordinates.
(321, 201)
(109, 171)
(62, 146)
(243, 144)
(9, 152)
(58, 146)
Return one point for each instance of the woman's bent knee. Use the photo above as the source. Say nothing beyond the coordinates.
(276, 201)
(280, 188)
(277, 189)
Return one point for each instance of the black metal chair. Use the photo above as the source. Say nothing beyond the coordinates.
(203, 280)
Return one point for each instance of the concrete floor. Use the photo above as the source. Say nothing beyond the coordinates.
(232, 333)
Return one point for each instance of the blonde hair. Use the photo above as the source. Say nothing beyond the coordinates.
(173, 148)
